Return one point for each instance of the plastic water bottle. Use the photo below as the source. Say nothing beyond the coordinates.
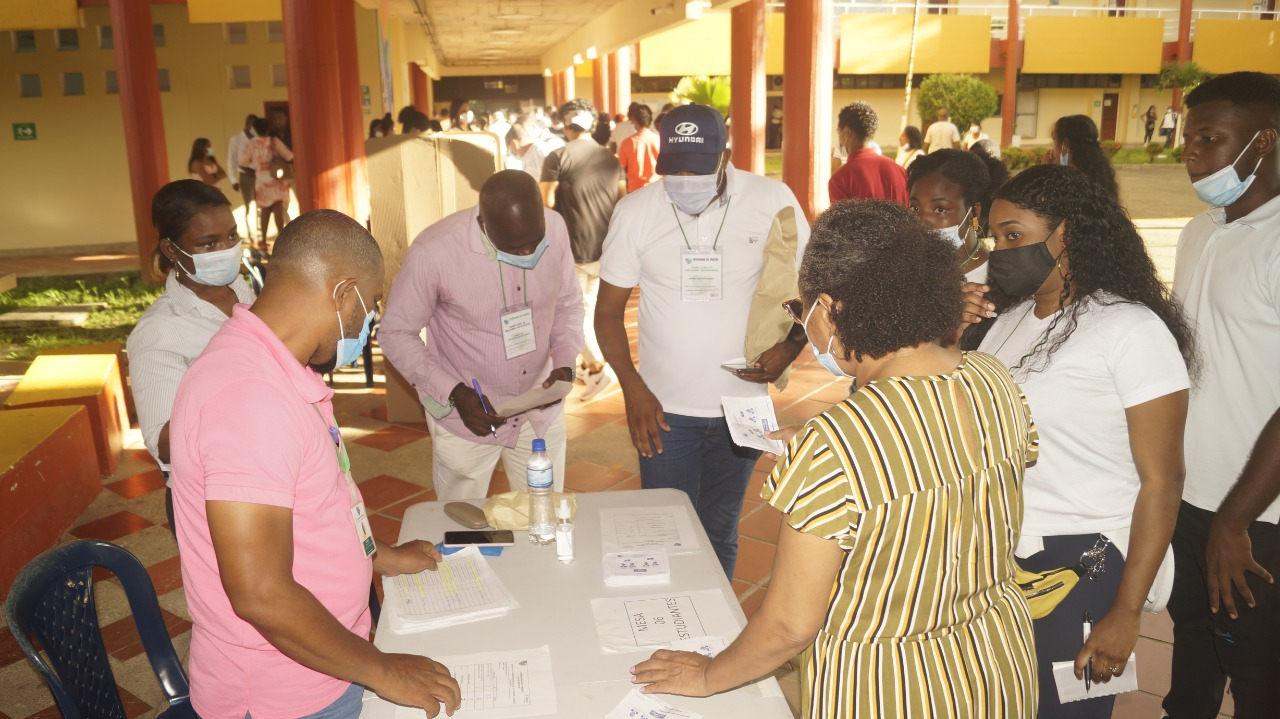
(540, 478)
(564, 531)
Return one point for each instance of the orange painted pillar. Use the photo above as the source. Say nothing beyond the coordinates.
(139, 83)
(808, 68)
(1184, 47)
(1012, 62)
(352, 108)
(746, 76)
(600, 83)
(620, 81)
(315, 104)
(570, 85)
(418, 89)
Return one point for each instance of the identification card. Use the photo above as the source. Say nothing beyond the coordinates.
(517, 331)
(701, 276)
(363, 531)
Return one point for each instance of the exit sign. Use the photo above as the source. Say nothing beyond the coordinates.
(24, 131)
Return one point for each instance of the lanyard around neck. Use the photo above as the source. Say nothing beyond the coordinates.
(344, 462)
(503, 284)
(716, 242)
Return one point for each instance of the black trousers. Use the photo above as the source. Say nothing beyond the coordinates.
(1207, 647)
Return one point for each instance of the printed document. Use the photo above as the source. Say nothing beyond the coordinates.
(643, 528)
(1071, 689)
(625, 569)
(535, 397)
(462, 589)
(659, 621)
(636, 705)
(499, 685)
(748, 419)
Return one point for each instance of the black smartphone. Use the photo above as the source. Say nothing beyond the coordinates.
(484, 538)
(742, 369)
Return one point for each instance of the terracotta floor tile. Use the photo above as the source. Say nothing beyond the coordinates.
(378, 413)
(385, 490)
(384, 528)
(10, 652)
(121, 636)
(397, 510)
(632, 482)
(740, 587)
(390, 438)
(592, 477)
(806, 408)
(1157, 626)
(111, 527)
(763, 523)
(1154, 666)
(49, 712)
(141, 455)
(422, 427)
(596, 408)
(832, 394)
(133, 706)
(166, 576)
(1137, 705)
(751, 602)
(755, 560)
(576, 426)
(138, 484)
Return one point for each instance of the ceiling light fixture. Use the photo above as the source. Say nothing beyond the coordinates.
(577, 58)
(591, 53)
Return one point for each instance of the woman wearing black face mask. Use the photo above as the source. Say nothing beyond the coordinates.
(1102, 352)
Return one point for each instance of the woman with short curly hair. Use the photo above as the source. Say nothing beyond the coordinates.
(1102, 351)
(902, 503)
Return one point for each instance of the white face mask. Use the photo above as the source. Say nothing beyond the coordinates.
(1224, 187)
(216, 269)
(208, 152)
(691, 193)
(957, 234)
(466, 117)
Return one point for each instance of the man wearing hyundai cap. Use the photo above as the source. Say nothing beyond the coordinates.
(707, 214)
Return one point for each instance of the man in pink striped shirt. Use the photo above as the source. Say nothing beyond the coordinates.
(494, 287)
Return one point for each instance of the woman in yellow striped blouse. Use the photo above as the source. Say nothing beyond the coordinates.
(902, 503)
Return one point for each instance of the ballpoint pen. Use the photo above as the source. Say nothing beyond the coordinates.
(1088, 668)
(484, 404)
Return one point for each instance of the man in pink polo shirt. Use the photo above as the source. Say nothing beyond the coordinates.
(276, 551)
(470, 279)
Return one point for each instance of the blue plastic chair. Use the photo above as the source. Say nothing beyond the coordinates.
(52, 602)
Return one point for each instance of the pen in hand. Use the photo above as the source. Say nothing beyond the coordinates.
(1088, 668)
(484, 403)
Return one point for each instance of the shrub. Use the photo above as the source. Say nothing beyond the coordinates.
(1153, 150)
(1110, 148)
(968, 98)
(1035, 156)
(1177, 153)
(1013, 158)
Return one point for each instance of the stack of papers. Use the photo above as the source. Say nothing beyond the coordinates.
(636, 705)
(462, 589)
(629, 569)
(749, 420)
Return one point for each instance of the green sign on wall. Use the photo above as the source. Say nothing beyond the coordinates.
(24, 131)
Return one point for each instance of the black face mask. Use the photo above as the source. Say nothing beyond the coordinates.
(1020, 271)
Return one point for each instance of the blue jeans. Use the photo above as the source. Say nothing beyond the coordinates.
(347, 706)
(700, 459)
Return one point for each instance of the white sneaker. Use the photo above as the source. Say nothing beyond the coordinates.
(597, 382)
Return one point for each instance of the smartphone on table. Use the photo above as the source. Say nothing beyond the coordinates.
(480, 538)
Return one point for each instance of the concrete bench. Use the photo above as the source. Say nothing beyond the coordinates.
(48, 476)
(105, 348)
(89, 381)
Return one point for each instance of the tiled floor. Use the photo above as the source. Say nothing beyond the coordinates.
(391, 462)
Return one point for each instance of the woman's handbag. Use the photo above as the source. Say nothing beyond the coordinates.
(1046, 590)
(281, 169)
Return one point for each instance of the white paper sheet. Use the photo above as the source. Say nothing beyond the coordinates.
(463, 589)
(706, 646)
(641, 528)
(625, 569)
(1071, 689)
(535, 397)
(636, 705)
(499, 685)
(748, 419)
(657, 621)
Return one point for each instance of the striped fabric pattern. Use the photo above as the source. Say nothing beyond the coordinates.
(920, 480)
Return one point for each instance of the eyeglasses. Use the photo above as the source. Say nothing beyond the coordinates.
(795, 309)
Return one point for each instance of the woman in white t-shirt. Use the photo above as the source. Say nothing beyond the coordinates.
(1102, 352)
(948, 190)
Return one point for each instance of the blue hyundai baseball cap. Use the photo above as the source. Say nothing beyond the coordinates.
(693, 138)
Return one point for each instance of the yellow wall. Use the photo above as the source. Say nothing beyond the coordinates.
(70, 187)
(881, 44)
(1093, 45)
(233, 10)
(1234, 45)
(703, 47)
(38, 15)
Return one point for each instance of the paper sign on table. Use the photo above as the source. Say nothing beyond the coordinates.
(1071, 689)
(748, 419)
(635, 529)
(499, 685)
(535, 397)
(626, 569)
(636, 705)
(462, 589)
(657, 621)
(708, 647)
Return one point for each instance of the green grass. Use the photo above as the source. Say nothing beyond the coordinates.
(126, 296)
(1138, 156)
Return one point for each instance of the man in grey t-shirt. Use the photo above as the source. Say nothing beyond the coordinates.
(583, 181)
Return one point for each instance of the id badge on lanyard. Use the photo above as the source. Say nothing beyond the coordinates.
(364, 533)
(701, 275)
(517, 331)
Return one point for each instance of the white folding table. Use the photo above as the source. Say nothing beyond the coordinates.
(555, 609)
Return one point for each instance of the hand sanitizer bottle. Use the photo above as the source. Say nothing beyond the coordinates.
(564, 532)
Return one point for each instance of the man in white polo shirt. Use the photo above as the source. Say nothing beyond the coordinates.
(1225, 603)
(694, 244)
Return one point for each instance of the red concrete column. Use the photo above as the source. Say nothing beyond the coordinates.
(139, 82)
(315, 104)
(620, 81)
(1012, 62)
(747, 106)
(600, 83)
(808, 69)
(352, 109)
(418, 84)
(1184, 46)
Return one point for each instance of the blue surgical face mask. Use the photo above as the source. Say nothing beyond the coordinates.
(215, 269)
(691, 193)
(1064, 159)
(524, 262)
(1224, 187)
(350, 348)
(826, 359)
(953, 234)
